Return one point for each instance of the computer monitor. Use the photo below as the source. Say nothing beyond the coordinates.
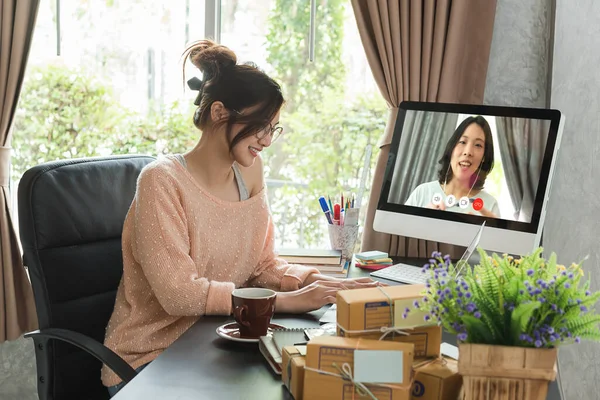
(453, 166)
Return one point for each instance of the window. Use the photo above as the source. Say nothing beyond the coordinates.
(111, 82)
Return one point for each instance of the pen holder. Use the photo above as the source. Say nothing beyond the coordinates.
(343, 238)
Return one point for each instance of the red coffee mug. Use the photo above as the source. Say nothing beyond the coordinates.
(253, 309)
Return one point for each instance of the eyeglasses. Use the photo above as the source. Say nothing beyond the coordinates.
(274, 131)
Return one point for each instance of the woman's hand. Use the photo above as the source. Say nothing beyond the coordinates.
(349, 283)
(308, 298)
(318, 291)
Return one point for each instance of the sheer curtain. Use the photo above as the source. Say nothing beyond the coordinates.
(421, 161)
(17, 309)
(522, 144)
(423, 50)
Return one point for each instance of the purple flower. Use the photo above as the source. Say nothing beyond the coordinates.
(460, 294)
(446, 291)
(477, 314)
(404, 316)
(426, 317)
(553, 307)
(570, 275)
(538, 343)
(530, 272)
(587, 293)
(468, 295)
(471, 307)
(425, 299)
(577, 340)
(583, 308)
(426, 266)
(523, 336)
(462, 336)
(447, 257)
(539, 282)
(416, 304)
(407, 310)
(521, 291)
(458, 301)
(567, 285)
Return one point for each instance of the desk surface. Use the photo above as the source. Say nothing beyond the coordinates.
(201, 365)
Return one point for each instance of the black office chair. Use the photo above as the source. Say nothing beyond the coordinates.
(71, 215)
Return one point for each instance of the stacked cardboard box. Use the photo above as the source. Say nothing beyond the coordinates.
(436, 380)
(364, 312)
(336, 368)
(292, 369)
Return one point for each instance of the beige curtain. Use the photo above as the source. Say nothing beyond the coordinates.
(17, 308)
(422, 50)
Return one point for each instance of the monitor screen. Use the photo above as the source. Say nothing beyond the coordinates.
(468, 164)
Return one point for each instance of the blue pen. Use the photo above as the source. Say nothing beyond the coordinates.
(325, 209)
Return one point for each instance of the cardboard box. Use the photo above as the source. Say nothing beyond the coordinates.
(438, 380)
(362, 313)
(325, 353)
(292, 369)
(427, 339)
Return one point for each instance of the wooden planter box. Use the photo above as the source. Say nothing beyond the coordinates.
(506, 373)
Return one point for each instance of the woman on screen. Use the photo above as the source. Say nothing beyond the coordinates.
(199, 225)
(465, 164)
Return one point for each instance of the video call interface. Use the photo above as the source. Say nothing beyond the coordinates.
(473, 164)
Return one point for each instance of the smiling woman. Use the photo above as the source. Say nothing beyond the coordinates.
(465, 164)
(199, 225)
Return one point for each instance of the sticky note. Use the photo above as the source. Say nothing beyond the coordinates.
(378, 366)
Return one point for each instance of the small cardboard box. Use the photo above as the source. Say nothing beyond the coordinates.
(292, 369)
(328, 353)
(362, 312)
(438, 380)
(427, 339)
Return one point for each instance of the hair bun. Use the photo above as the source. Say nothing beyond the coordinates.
(210, 57)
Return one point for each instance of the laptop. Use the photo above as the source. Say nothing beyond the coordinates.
(411, 274)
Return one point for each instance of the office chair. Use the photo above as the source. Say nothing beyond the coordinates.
(71, 215)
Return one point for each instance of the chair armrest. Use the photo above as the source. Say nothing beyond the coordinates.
(91, 346)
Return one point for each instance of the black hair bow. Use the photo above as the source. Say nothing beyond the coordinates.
(196, 84)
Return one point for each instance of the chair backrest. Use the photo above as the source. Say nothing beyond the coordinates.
(71, 216)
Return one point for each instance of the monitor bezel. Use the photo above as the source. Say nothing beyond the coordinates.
(533, 226)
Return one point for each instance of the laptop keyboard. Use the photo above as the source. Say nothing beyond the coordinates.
(402, 273)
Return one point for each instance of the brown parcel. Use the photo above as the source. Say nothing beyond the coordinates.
(438, 380)
(323, 351)
(369, 309)
(292, 370)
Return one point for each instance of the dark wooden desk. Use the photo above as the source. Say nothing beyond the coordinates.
(201, 365)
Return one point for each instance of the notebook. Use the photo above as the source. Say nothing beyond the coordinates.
(272, 346)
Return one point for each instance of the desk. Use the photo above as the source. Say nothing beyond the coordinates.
(200, 365)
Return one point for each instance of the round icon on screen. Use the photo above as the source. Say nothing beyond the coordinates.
(478, 204)
(450, 200)
(436, 199)
(463, 202)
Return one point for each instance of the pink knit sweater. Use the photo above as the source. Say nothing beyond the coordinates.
(184, 251)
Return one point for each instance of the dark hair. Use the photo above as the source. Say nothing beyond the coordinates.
(445, 173)
(237, 86)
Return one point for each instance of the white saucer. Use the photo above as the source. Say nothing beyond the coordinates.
(231, 331)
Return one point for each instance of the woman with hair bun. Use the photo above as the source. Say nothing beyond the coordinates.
(199, 225)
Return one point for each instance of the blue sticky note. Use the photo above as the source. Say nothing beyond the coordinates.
(378, 366)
